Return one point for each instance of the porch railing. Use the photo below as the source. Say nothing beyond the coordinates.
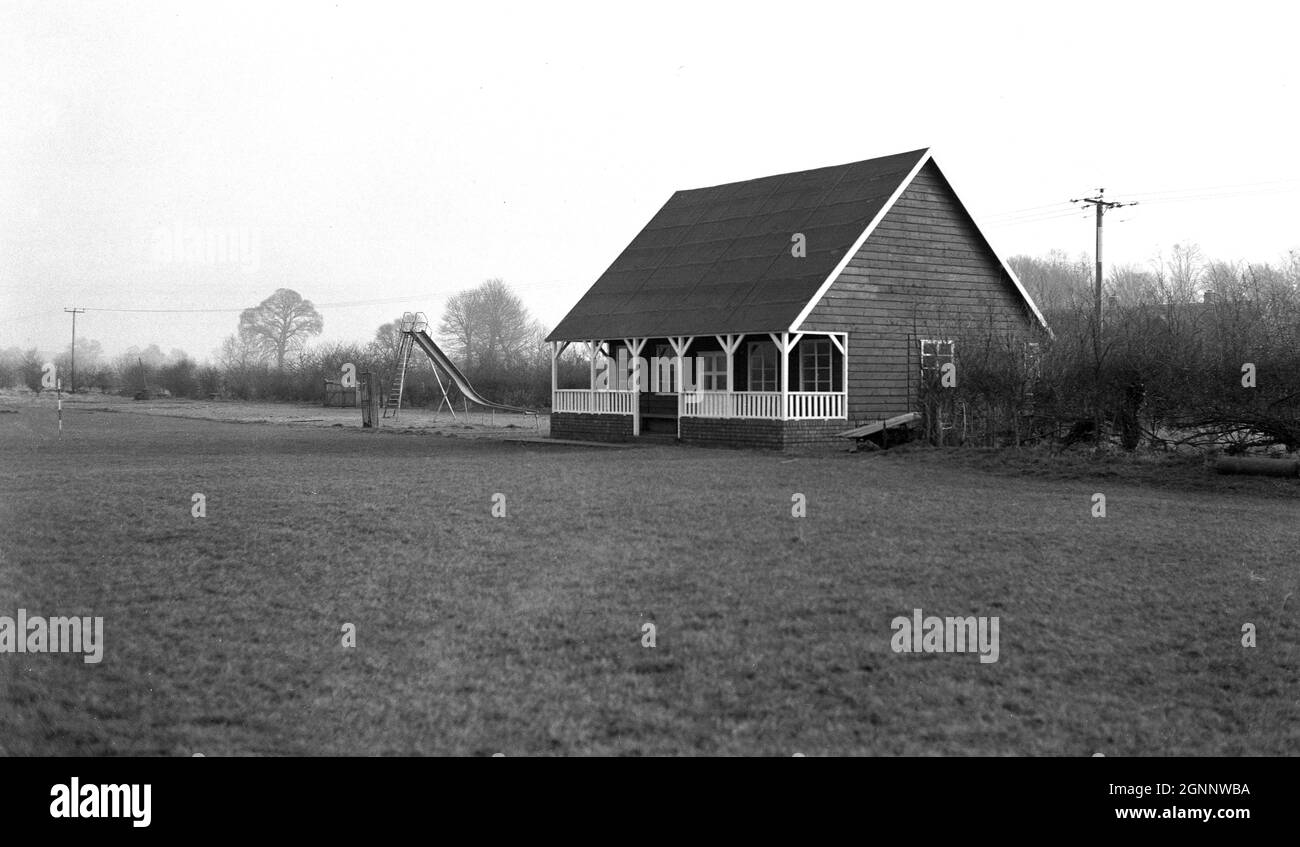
(801, 405)
(583, 400)
(805, 405)
(763, 404)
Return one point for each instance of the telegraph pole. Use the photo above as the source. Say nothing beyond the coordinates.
(72, 386)
(1101, 204)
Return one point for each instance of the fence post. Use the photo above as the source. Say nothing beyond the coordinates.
(370, 403)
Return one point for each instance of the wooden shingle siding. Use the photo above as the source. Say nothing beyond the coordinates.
(922, 271)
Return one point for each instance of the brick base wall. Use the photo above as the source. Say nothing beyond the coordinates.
(715, 432)
(757, 432)
(583, 427)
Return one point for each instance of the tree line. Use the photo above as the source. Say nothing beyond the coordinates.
(272, 355)
(1189, 351)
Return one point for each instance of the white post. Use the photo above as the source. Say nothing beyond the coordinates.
(785, 375)
(555, 355)
(844, 381)
(679, 344)
(634, 347)
(733, 341)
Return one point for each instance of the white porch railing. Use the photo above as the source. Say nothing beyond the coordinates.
(593, 402)
(740, 404)
(803, 405)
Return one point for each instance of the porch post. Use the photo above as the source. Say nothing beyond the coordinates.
(841, 343)
(733, 341)
(634, 347)
(844, 381)
(785, 376)
(555, 355)
(679, 344)
(591, 352)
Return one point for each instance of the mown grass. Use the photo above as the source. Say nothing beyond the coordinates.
(522, 634)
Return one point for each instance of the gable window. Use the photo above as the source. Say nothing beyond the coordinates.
(815, 365)
(762, 366)
(935, 353)
(713, 371)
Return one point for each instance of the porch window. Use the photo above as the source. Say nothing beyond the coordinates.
(762, 366)
(935, 353)
(713, 371)
(815, 372)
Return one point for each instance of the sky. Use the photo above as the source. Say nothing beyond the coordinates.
(377, 157)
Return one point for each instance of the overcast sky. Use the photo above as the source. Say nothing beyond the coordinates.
(376, 157)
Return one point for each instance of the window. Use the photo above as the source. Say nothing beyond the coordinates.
(935, 353)
(713, 371)
(762, 366)
(815, 365)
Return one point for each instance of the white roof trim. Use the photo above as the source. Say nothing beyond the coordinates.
(884, 210)
(857, 245)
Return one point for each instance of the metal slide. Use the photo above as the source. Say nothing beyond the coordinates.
(449, 368)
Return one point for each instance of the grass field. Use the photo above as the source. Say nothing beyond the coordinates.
(523, 634)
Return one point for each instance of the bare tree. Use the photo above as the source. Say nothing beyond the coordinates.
(1224, 279)
(280, 324)
(1129, 286)
(237, 353)
(387, 342)
(488, 327)
(1055, 281)
(30, 366)
(1178, 278)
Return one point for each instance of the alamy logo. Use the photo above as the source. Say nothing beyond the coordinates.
(946, 635)
(658, 373)
(75, 800)
(207, 245)
(35, 634)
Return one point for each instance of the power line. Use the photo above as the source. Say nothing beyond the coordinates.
(1051, 211)
(1032, 212)
(340, 305)
(350, 304)
(1052, 217)
(1243, 187)
(1223, 195)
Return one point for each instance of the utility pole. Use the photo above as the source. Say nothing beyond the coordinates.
(72, 386)
(1101, 204)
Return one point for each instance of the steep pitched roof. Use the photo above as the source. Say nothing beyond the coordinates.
(719, 259)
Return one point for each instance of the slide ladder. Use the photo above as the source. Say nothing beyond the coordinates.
(404, 347)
